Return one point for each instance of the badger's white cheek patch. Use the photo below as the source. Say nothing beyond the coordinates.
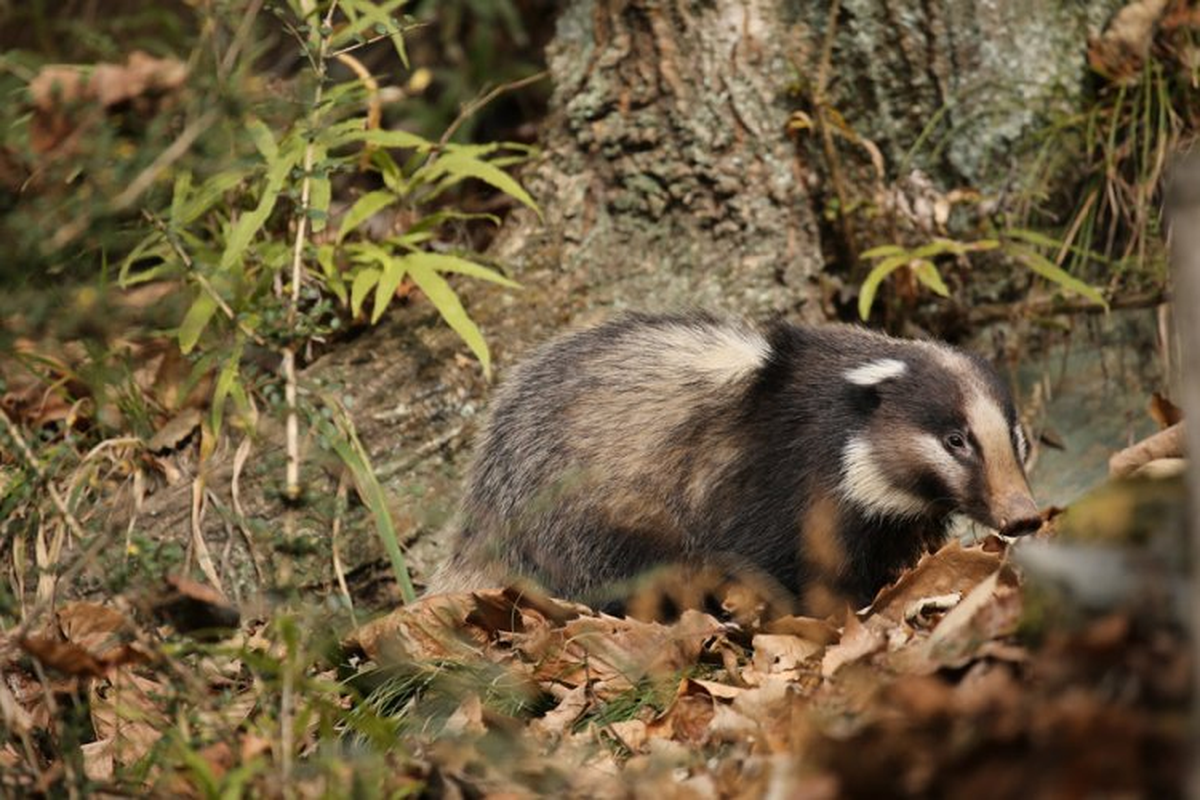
(876, 372)
(865, 485)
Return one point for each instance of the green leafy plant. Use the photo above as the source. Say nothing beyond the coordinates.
(1018, 244)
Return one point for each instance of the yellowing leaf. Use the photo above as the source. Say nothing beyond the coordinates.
(391, 138)
(448, 263)
(389, 281)
(1052, 272)
(447, 303)
(363, 209)
(363, 282)
(929, 276)
(457, 166)
(196, 319)
(866, 295)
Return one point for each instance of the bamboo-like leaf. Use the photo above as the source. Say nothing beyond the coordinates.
(866, 295)
(883, 250)
(1033, 237)
(345, 442)
(364, 281)
(448, 263)
(226, 381)
(195, 321)
(333, 276)
(264, 142)
(457, 166)
(205, 197)
(1056, 274)
(929, 276)
(389, 281)
(179, 194)
(363, 209)
(154, 245)
(251, 222)
(319, 192)
(391, 138)
(442, 295)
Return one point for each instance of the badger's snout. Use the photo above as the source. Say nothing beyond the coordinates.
(1018, 515)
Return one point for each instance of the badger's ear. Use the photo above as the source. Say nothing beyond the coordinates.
(874, 373)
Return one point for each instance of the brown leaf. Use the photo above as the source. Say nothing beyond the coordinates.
(1164, 412)
(858, 641)
(92, 626)
(127, 710)
(175, 431)
(951, 569)
(65, 657)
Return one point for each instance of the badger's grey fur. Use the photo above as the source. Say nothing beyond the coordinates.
(826, 457)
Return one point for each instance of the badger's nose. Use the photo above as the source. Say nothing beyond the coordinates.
(1019, 515)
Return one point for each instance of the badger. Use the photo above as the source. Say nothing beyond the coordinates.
(823, 459)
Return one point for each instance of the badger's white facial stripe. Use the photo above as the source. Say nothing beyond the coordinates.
(1022, 443)
(875, 372)
(866, 486)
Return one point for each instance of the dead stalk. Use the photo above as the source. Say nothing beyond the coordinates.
(292, 485)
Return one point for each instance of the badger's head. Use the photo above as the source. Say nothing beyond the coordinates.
(940, 435)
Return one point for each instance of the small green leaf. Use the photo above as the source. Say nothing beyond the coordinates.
(866, 295)
(251, 222)
(1033, 237)
(1056, 274)
(179, 195)
(227, 380)
(333, 276)
(442, 295)
(195, 321)
(363, 283)
(929, 276)
(389, 281)
(457, 166)
(883, 250)
(205, 197)
(363, 209)
(447, 263)
(318, 210)
(391, 138)
(260, 134)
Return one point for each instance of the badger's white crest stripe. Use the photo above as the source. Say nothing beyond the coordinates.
(876, 372)
(865, 485)
(723, 353)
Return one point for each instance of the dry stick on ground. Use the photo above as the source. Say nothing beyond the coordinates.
(471, 108)
(1167, 443)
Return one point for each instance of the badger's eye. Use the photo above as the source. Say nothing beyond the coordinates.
(956, 442)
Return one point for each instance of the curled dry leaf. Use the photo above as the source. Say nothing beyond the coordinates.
(951, 569)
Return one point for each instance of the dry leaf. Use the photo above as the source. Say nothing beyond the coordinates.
(858, 641)
(951, 569)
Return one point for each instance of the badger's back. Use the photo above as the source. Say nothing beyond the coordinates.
(602, 447)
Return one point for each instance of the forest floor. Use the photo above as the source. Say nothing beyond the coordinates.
(958, 681)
